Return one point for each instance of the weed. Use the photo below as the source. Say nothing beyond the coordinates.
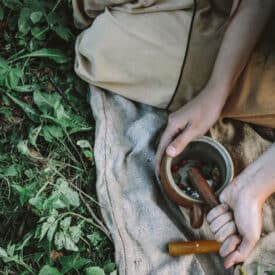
(49, 218)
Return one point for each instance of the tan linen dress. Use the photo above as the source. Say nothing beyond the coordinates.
(138, 49)
(161, 53)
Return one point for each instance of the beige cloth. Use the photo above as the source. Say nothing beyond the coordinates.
(138, 49)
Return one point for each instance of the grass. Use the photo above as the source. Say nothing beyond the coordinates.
(49, 218)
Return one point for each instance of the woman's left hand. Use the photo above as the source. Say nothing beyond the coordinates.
(238, 231)
(245, 197)
(193, 120)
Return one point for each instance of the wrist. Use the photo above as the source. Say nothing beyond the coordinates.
(258, 179)
(217, 93)
(260, 192)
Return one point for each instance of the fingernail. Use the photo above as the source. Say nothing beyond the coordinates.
(222, 250)
(171, 151)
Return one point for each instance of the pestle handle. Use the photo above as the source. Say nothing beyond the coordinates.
(193, 247)
(200, 184)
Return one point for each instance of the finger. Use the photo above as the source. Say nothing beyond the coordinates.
(220, 221)
(229, 245)
(240, 254)
(180, 142)
(164, 141)
(227, 230)
(216, 212)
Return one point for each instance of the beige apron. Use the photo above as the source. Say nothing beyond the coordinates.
(161, 53)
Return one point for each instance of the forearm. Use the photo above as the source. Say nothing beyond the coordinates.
(239, 40)
(260, 176)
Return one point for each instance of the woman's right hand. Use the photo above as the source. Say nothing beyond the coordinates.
(191, 121)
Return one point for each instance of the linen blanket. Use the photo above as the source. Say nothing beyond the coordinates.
(139, 216)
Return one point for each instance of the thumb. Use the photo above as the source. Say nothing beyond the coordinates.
(180, 142)
(240, 254)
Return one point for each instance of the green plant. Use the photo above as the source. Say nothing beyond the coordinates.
(50, 220)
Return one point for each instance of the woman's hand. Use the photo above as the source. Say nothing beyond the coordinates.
(240, 233)
(195, 118)
(245, 197)
(191, 121)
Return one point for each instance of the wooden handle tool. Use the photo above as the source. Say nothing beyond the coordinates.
(200, 184)
(193, 247)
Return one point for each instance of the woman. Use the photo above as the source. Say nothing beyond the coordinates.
(247, 193)
(140, 49)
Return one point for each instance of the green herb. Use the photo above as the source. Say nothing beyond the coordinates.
(50, 220)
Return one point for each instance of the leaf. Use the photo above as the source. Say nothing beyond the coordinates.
(9, 171)
(84, 144)
(54, 54)
(36, 16)
(39, 33)
(13, 77)
(46, 102)
(49, 132)
(4, 67)
(30, 112)
(23, 21)
(11, 249)
(33, 135)
(44, 229)
(72, 262)
(24, 88)
(72, 126)
(59, 240)
(23, 192)
(110, 267)
(1, 13)
(51, 231)
(68, 193)
(86, 149)
(69, 243)
(49, 270)
(60, 112)
(56, 202)
(37, 202)
(63, 32)
(29, 152)
(22, 147)
(5, 112)
(94, 271)
(3, 253)
(76, 233)
(65, 223)
(95, 238)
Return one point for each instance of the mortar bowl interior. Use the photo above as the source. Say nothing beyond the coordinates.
(203, 149)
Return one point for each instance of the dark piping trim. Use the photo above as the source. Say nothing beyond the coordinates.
(186, 53)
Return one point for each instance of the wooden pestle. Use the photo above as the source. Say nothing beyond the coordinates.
(193, 247)
(200, 184)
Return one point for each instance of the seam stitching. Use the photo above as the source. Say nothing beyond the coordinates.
(106, 182)
(185, 56)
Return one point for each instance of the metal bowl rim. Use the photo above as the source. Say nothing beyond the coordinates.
(225, 155)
